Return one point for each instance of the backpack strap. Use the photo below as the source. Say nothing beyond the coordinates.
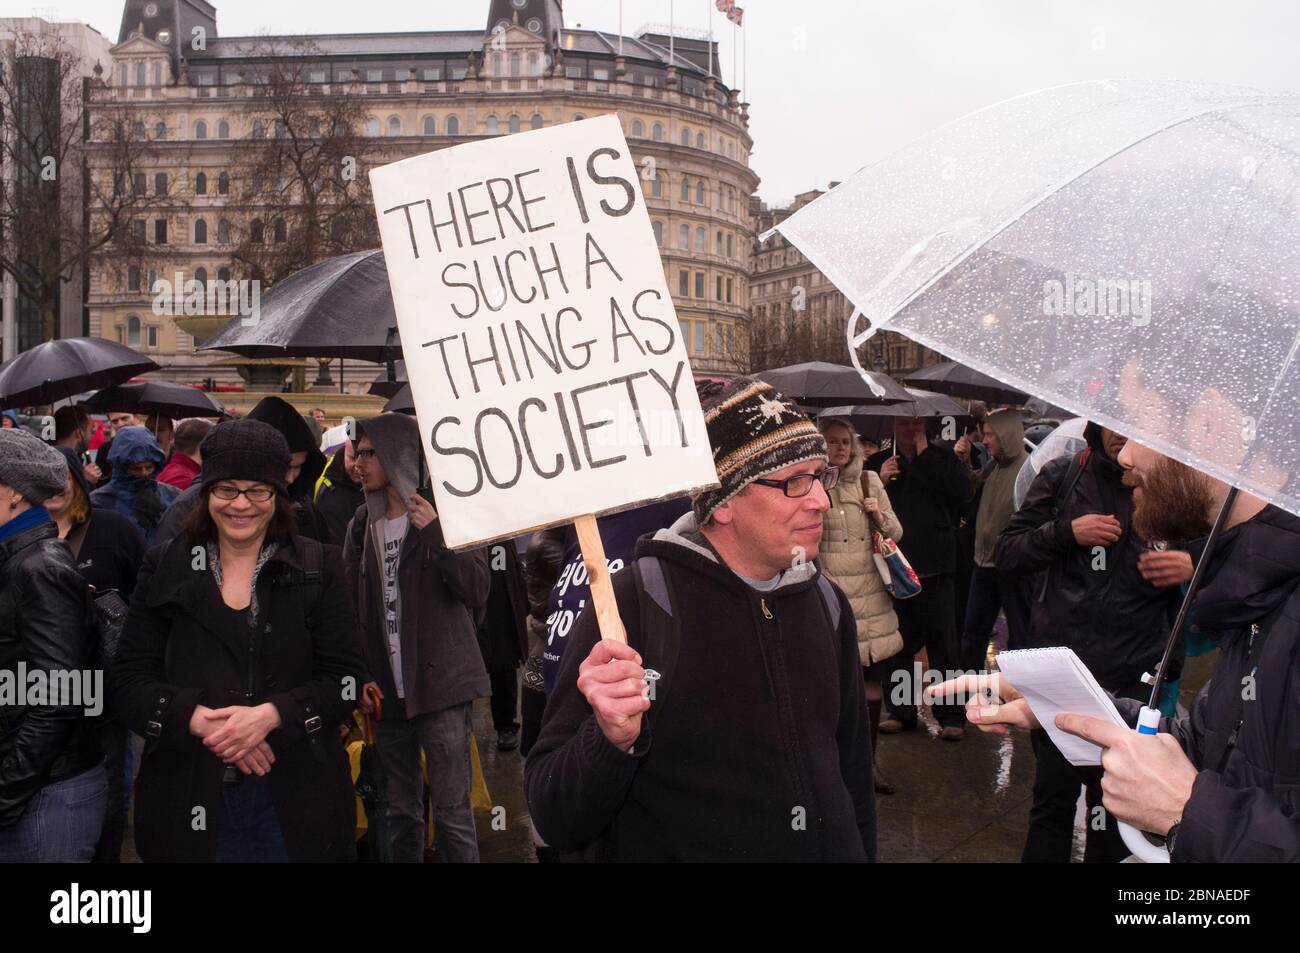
(1072, 475)
(661, 629)
(832, 601)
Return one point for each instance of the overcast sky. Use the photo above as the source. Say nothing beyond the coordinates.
(835, 84)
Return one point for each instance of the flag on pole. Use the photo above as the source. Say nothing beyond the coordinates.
(736, 15)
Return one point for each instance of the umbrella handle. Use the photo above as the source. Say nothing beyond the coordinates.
(1134, 839)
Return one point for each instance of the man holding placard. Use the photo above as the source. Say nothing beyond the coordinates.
(753, 741)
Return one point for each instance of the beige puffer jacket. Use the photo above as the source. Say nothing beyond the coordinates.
(845, 557)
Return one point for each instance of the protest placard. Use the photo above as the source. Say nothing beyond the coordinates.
(545, 359)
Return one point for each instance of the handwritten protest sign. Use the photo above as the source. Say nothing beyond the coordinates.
(543, 351)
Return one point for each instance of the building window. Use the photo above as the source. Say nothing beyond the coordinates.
(638, 129)
(223, 183)
(257, 232)
(160, 231)
(223, 274)
(536, 121)
(699, 284)
(277, 129)
(718, 289)
(223, 232)
(133, 278)
(699, 140)
(578, 117)
(137, 231)
(374, 76)
(686, 189)
(599, 72)
(430, 126)
(318, 76)
(160, 131)
(717, 243)
(153, 281)
(152, 337)
(657, 186)
(401, 75)
(683, 284)
(157, 74)
(686, 137)
(730, 289)
(700, 197)
(223, 130)
(657, 132)
(279, 233)
(534, 64)
(394, 126)
(139, 81)
(685, 328)
(132, 331)
(160, 183)
(372, 127)
(453, 126)
(200, 232)
(659, 233)
(200, 130)
(699, 336)
(458, 73)
(514, 124)
(701, 241)
(515, 65)
(201, 275)
(259, 129)
(122, 75)
(432, 74)
(730, 246)
(573, 72)
(684, 239)
(492, 126)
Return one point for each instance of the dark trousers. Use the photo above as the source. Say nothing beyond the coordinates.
(991, 591)
(927, 620)
(250, 832)
(1056, 794)
(505, 699)
(113, 738)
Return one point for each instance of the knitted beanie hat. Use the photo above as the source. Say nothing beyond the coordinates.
(753, 430)
(245, 450)
(30, 466)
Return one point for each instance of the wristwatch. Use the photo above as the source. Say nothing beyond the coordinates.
(1171, 836)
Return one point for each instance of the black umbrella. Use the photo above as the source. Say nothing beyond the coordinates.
(386, 386)
(958, 380)
(58, 369)
(876, 421)
(403, 402)
(819, 384)
(372, 788)
(156, 397)
(341, 307)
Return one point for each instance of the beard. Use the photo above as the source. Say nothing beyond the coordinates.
(1175, 504)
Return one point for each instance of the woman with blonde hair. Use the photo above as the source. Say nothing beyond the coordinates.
(859, 505)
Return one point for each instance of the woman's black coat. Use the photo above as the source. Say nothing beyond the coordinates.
(302, 657)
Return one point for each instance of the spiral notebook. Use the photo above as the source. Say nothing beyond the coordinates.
(1054, 680)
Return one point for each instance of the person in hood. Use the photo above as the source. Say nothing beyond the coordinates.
(416, 604)
(1075, 528)
(52, 784)
(761, 749)
(109, 550)
(134, 490)
(306, 464)
(9, 420)
(860, 508)
(1219, 783)
(991, 591)
(338, 494)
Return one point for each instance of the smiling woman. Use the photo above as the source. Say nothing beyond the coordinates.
(237, 661)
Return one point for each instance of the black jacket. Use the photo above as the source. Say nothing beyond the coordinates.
(109, 546)
(762, 750)
(1116, 621)
(1245, 804)
(45, 623)
(337, 499)
(927, 496)
(182, 648)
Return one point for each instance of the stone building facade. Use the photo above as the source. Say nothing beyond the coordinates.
(193, 91)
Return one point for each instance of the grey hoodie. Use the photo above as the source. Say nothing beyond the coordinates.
(439, 592)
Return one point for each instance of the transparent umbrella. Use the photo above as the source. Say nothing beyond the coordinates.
(1127, 250)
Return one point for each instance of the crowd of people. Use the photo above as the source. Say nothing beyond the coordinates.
(249, 599)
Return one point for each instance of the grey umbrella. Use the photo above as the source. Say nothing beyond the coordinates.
(820, 384)
(64, 368)
(958, 380)
(341, 307)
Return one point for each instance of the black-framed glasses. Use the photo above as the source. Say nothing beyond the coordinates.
(366, 454)
(801, 484)
(255, 494)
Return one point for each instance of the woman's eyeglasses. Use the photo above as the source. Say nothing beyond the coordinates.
(367, 454)
(255, 494)
(801, 484)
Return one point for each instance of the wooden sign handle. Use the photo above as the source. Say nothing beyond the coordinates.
(598, 575)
